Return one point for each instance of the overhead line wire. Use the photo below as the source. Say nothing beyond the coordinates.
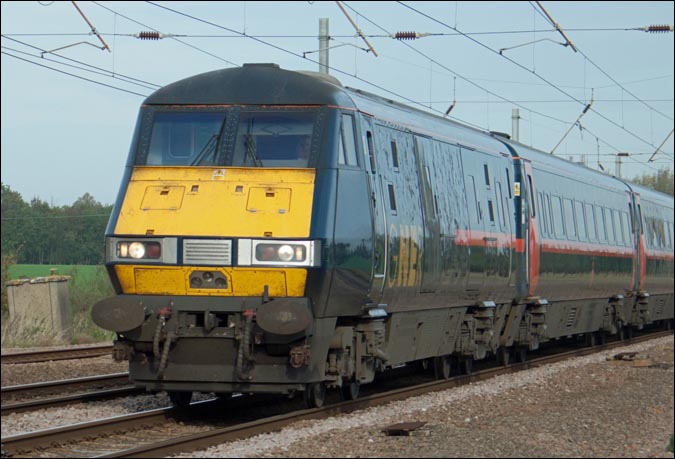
(103, 72)
(462, 77)
(432, 34)
(73, 75)
(529, 71)
(550, 19)
(173, 38)
(279, 48)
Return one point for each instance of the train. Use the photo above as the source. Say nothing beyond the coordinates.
(278, 232)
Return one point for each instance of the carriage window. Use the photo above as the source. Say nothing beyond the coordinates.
(544, 223)
(347, 146)
(183, 139)
(625, 230)
(532, 206)
(660, 233)
(392, 198)
(569, 219)
(618, 227)
(486, 172)
(609, 220)
(431, 207)
(273, 139)
(547, 205)
(557, 216)
(581, 220)
(473, 198)
(371, 151)
(491, 212)
(394, 156)
(590, 222)
(501, 198)
(600, 221)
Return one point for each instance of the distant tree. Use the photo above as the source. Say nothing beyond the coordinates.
(14, 210)
(661, 180)
(87, 222)
(41, 234)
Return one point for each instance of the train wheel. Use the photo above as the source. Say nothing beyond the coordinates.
(602, 337)
(466, 365)
(315, 395)
(442, 367)
(521, 354)
(350, 390)
(180, 399)
(504, 356)
(620, 331)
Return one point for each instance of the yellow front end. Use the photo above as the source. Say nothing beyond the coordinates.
(204, 203)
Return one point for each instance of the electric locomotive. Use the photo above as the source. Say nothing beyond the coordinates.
(277, 232)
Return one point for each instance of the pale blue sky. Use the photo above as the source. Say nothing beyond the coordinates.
(63, 136)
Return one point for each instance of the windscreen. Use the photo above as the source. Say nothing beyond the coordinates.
(184, 139)
(240, 137)
(273, 139)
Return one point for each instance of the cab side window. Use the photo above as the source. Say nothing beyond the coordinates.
(347, 146)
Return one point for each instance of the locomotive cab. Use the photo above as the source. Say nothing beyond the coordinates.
(219, 245)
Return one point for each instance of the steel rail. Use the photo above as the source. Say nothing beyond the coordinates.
(55, 354)
(218, 436)
(22, 443)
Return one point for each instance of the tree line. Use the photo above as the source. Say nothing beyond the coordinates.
(38, 233)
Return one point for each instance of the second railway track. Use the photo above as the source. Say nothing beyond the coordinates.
(41, 395)
(56, 354)
(165, 439)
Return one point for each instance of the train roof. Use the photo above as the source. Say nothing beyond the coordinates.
(265, 84)
(268, 84)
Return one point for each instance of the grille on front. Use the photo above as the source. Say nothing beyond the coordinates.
(207, 252)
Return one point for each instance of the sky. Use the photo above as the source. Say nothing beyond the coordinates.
(69, 107)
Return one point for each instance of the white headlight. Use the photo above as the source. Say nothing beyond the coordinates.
(278, 253)
(136, 250)
(286, 253)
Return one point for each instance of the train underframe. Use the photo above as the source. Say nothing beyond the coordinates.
(232, 345)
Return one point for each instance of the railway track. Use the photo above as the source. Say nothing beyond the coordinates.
(56, 354)
(161, 435)
(41, 395)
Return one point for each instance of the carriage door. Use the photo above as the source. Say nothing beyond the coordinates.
(520, 194)
(431, 269)
(527, 234)
(377, 203)
(639, 254)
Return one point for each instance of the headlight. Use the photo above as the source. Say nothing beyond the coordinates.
(286, 253)
(135, 248)
(279, 253)
(139, 250)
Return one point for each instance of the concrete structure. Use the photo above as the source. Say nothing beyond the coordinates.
(40, 305)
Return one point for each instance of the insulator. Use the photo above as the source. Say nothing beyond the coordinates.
(405, 35)
(148, 35)
(659, 28)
